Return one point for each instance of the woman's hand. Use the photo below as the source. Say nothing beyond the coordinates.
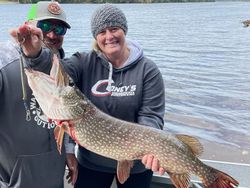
(152, 163)
(30, 39)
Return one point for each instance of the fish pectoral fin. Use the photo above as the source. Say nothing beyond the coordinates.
(180, 180)
(57, 72)
(123, 170)
(56, 132)
(59, 141)
(59, 134)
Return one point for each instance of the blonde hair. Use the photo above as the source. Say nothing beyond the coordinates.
(95, 46)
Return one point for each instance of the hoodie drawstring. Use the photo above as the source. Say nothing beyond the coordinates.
(110, 77)
(120, 84)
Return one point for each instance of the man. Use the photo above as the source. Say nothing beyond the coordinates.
(51, 19)
(28, 152)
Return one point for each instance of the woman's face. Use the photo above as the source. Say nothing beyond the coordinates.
(111, 41)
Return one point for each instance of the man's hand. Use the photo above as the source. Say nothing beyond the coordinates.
(152, 163)
(73, 168)
(29, 37)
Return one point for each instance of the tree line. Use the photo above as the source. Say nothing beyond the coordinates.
(118, 1)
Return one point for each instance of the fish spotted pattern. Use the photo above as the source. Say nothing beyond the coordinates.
(117, 139)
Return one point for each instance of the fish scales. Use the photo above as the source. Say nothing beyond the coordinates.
(121, 140)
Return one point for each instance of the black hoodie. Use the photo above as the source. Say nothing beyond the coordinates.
(134, 92)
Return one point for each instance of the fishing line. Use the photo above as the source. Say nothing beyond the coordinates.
(25, 102)
(23, 82)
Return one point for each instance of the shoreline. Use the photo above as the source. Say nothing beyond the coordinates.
(118, 2)
(8, 2)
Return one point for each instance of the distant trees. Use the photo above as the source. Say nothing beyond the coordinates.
(117, 1)
(14, 1)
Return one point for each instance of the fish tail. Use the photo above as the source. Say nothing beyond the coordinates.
(218, 179)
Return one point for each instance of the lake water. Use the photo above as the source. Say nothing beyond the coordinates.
(203, 52)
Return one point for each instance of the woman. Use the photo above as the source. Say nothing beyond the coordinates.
(119, 80)
(122, 82)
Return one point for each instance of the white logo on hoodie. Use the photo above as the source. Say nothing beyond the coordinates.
(38, 115)
(100, 89)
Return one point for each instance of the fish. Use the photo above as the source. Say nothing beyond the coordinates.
(123, 141)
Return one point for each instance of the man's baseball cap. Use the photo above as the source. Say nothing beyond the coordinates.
(44, 10)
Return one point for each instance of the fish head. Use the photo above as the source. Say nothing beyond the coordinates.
(57, 99)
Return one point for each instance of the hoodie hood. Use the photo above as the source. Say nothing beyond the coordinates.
(9, 52)
(135, 54)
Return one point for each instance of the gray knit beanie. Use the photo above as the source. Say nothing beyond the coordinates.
(105, 16)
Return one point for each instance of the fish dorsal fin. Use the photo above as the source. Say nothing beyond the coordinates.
(57, 72)
(192, 142)
(54, 68)
(123, 170)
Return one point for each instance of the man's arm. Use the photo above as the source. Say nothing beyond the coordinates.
(30, 38)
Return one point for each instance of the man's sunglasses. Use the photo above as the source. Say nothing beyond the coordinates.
(47, 27)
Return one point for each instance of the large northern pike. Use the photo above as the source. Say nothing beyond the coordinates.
(117, 139)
